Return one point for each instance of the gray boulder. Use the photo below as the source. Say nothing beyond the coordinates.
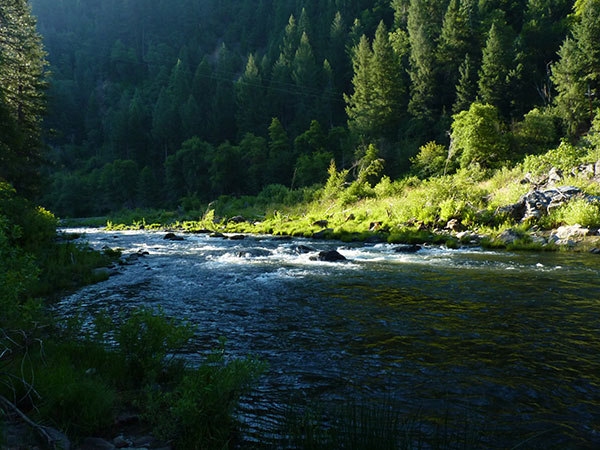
(572, 231)
(538, 203)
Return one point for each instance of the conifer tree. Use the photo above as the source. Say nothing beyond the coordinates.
(568, 77)
(423, 66)
(250, 98)
(456, 39)
(359, 104)
(493, 76)
(22, 101)
(386, 84)
(466, 89)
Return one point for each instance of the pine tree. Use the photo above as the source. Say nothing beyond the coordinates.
(466, 89)
(305, 74)
(359, 104)
(250, 98)
(493, 76)
(291, 40)
(456, 39)
(22, 101)
(568, 76)
(587, 35)
(386, 84)
(423, 66)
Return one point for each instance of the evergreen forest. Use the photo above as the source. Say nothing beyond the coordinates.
(166, 104)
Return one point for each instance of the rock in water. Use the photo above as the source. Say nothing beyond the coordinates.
(172, 237)
(329, 256)
(407, 248)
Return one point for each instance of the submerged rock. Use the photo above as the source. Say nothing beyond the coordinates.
(237, 237)
(407, 248)
(217, 235)
(329, 256)
(172, 237)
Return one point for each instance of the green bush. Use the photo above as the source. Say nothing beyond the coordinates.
(146, 338)
(580, 212)
(433, 159)
(564, 157)
(198, 412)
(78, 402)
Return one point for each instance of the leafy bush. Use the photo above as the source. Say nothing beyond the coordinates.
(478, 135)
(80, 403)
(146, 338)
(432, 159)
(564, 157)
(580, 212)
(198, 412)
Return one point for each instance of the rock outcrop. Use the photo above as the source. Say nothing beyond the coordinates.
(537, 203)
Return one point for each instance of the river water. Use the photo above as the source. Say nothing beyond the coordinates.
(510, 341)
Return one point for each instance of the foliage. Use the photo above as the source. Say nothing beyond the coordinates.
(564, 157)
(582, 212)
(198, 412)
(478, 136)
(432, 159)
(146, 339)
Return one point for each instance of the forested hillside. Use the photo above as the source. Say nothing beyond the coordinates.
(155, 102)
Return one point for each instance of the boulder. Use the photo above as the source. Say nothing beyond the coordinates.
(321, 223)
(454, 225)
(237, 219)
(509, 236)
(555, 176)
(237, 237)
(217, 235)
(595, 251)
(538, 203)
(172, 237)
(329, 256)
(572, 231)
(407, 248)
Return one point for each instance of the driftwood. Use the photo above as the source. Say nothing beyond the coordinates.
(50, 437)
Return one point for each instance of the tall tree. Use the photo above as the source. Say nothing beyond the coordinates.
(423, 67)
(22, 101)
(250, 99)
(358, 105)
(386, 84)
(495, 67)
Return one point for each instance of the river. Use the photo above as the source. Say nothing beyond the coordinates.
(510, 341)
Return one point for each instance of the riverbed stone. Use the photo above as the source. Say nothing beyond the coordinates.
(329, 256)
(572, 231)
(509, 236)
(172, 237)
(407, 248)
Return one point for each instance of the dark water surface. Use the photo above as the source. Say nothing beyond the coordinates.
(510, 340)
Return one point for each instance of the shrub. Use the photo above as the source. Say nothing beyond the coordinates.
(433, 159)
(146, 338)
(580, 212)
(565, 156)
(199, 412)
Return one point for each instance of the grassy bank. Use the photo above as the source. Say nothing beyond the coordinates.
(464, 208)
